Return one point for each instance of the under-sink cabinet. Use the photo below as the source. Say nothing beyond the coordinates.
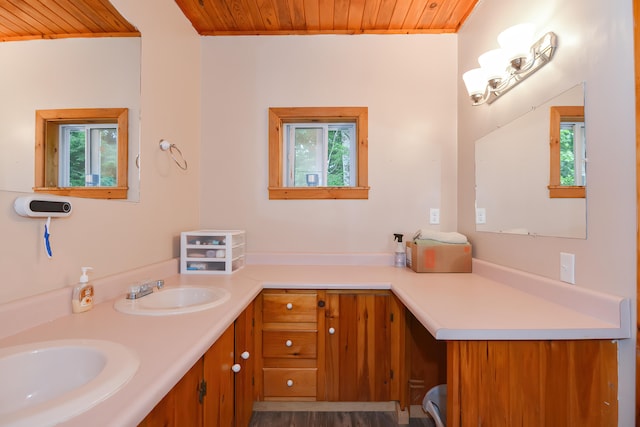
(212, 393)
(348, 345)
(329, 345)
(532, 383)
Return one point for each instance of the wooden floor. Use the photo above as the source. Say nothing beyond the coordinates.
(332, 419)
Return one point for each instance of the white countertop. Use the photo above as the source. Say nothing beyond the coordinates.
(458, 306)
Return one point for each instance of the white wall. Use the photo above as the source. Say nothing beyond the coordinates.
(407, 82)
(114, 236)
(595, 46)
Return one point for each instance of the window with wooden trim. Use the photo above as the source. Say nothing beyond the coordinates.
(567, 152)
(82, 152)
(318, 153)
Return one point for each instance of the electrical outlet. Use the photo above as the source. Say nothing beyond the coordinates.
(434, 216)
(481, 216)
(568, 268)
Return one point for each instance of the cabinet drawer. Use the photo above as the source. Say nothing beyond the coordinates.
(289, 307)
(285, 382)
(299, 344)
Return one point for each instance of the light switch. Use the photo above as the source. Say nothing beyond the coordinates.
(568, 267)
(434, 216)
(481, 216)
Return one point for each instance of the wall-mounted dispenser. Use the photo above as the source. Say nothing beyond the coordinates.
(37, 206)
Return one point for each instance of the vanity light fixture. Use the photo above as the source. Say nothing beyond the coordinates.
(516, 59)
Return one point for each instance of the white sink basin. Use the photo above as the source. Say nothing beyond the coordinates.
(174, 301)
(45, 383)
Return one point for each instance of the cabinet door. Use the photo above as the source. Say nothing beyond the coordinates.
(244, 380)
(358, 341)
(219, 400)
(532, 383)
(180, 407)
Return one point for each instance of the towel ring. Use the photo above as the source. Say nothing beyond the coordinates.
(167, 146)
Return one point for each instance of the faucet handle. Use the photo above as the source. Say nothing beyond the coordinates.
(160, 284)
(133, 292)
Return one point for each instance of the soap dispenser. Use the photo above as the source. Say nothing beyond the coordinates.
(400, 257)
(82, 299)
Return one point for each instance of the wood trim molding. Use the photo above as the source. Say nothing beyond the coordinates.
(556, 115)
(279, 116)
(47, 123)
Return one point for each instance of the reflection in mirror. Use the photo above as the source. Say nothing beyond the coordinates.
(82, 152)
(64, 74)
(567, 152)
(512, 176)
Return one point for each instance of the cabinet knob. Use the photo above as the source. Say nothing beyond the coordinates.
(321, 303)
(332, 331)
(236, 368)
(245, 355)
(288, 343)
(289, 383)
(289, 306)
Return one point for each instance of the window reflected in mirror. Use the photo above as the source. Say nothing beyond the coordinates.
(567, 152)
(82, 152)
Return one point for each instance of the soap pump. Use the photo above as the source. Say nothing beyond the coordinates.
(82, 299)
(400, 256)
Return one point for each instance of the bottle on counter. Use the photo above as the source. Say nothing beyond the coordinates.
(400, 257)
(82, 298)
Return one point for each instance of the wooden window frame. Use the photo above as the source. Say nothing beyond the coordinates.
(280, 116)
(47, 123)
(557, 115)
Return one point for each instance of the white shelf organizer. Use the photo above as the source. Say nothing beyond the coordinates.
(212, 251)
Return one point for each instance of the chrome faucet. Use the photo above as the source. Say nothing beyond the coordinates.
(145, 288)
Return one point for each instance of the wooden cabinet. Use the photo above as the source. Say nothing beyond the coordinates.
(426, 360)
(287, 344)
(330, 345)
(362, 346)
(532, 383)
(245, 357)
(180, 406)
(211, 393)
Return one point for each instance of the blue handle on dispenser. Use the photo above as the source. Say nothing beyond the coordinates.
(47, 245)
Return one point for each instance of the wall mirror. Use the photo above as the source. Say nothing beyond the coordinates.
(512, 177)
(70, 73)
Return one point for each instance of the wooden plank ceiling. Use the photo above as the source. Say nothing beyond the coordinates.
(46, 19)
(273, 17)
(43, 19)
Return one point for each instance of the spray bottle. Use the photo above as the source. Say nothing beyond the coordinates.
(399, 259)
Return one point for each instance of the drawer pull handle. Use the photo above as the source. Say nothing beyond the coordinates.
(245, 355)
(289, 306)
(289, 383)
(236, 368)
(332, 331)
(288, 343)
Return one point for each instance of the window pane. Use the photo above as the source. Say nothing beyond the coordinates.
(308, 163)
(106, 140)
(320, 155)
(340, 157)
(572, 153)
(88, 156)
(76, 156)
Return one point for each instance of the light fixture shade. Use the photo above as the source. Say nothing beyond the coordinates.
(494, 64)
(475, 80)
(516, 41)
